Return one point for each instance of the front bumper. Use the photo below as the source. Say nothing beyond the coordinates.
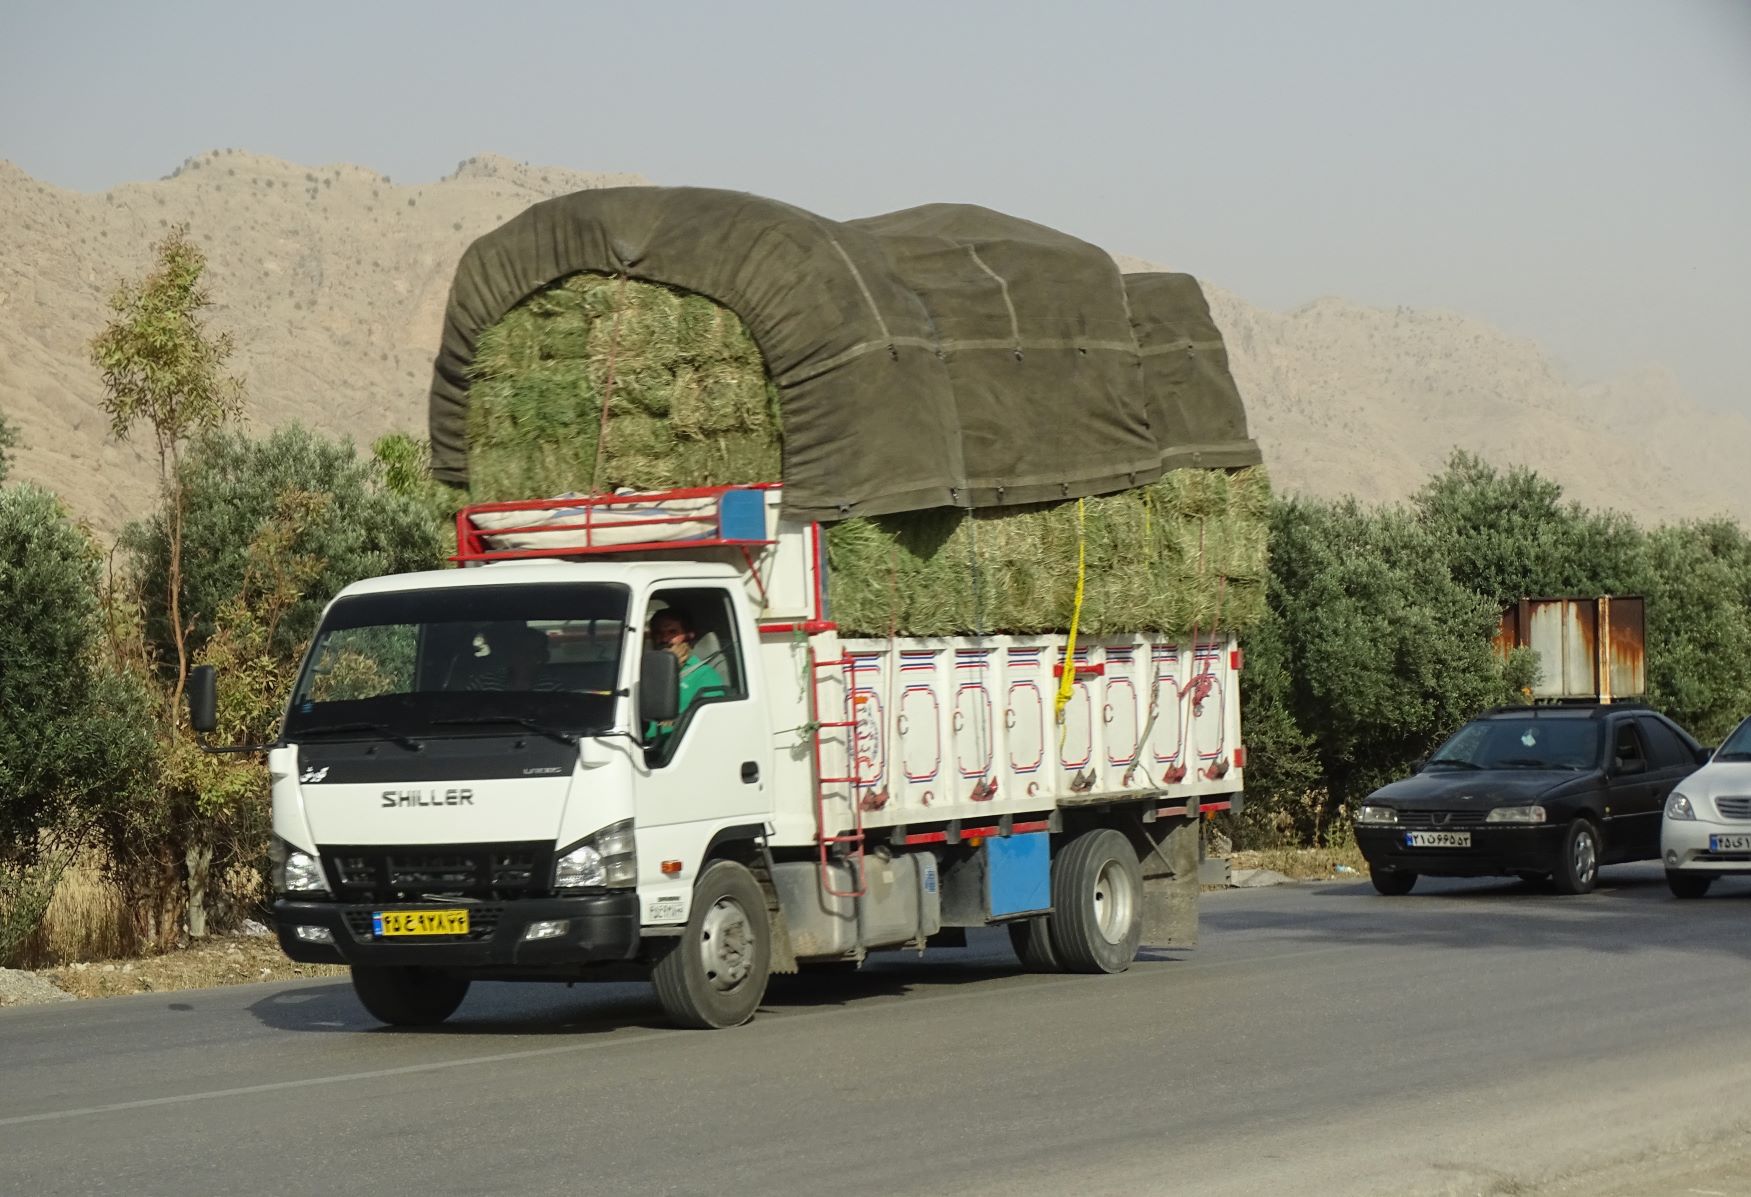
(1684, 846)
(1497, 850)
(602, 928)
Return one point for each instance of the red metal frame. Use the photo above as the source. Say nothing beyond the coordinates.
(471, 540)
(854, 779)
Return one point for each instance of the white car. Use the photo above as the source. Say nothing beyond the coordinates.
(1706, 830)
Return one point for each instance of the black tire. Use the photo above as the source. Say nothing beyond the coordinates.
(1688, 885)
(1096, 925)
(1394, 883)
(1032, 940)
(408, 997)
(714, 974)
(1576, 868)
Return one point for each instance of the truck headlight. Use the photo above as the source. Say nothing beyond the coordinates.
(606, 858)
(295, 871)
(1376, 814)
(1516, 814)
(1679, 807)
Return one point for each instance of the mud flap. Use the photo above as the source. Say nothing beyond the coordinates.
(1167, 849)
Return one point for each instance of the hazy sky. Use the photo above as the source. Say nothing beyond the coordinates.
(1576, 171)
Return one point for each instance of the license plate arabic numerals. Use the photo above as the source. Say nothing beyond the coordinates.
(1729, 843)
(1437, 839)
(389, 923)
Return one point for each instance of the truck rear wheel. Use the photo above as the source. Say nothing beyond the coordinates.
(1032, 940)
(714, 974)
(1097, 904)
(408, 997)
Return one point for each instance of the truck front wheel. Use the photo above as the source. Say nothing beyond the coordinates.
(714, 974)
(408, 997)
(1097, 904)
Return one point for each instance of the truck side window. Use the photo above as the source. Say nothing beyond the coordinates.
(698, 624)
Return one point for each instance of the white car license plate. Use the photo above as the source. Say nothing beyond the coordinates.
(1729, 843)
(1437, 839)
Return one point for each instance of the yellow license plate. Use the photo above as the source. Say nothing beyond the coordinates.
(420, 922)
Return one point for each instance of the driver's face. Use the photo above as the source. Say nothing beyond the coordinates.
(667, 632)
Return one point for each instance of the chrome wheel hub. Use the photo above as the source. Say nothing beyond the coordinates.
(726, 944)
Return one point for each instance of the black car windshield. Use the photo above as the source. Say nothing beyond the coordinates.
(1529, 743)
(1738, 745)
(464, 660)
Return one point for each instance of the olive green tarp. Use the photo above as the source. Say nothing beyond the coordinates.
(944, 356)
(690, 404)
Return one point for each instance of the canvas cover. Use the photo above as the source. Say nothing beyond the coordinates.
(943, 356)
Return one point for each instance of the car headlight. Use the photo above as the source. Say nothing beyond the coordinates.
(295, 871)
(1679, 807)
(606, 858)
(1516, 814)
(1369, 813)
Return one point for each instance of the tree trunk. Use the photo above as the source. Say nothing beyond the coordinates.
(199, 858)
(173, 484)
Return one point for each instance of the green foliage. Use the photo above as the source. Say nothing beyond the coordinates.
(75, 738)
(8, 442)
(1509, 536)
(159, 363)
(235, 487)
(1386, 652)
(69, 729)
(1699, 625)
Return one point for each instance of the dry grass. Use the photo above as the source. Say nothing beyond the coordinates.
(1303, 864)
(85, 921)
(221, 960)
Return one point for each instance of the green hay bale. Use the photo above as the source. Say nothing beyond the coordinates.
(689, 402)
(691, 405)
(1184, 553)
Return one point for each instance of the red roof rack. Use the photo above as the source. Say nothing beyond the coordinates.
(599, 525)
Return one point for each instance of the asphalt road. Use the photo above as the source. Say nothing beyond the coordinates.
(1475, 1037)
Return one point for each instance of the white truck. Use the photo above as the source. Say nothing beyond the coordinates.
(438, 819)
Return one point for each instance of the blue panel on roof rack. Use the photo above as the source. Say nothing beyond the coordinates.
(741, 515)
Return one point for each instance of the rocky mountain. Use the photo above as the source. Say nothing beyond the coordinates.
(333, 280)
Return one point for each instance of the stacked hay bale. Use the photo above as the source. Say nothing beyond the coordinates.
(689, 403)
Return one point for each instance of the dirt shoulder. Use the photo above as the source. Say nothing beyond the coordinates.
(220, 960)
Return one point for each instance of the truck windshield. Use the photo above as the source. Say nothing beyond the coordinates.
(1531, 743)
(464, 660)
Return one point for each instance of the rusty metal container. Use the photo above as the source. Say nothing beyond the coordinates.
(1590, 648)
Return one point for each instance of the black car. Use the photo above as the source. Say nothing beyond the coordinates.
(1549, 792)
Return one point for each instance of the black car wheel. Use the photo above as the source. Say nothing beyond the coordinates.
(1577, 869)
(1688, 885)
(1394, 883)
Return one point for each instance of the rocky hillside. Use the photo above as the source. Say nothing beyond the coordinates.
(333, 280)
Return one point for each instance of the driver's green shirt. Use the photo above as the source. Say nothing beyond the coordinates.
(697, 678)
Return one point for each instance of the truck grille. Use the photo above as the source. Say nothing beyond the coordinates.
(1734, 808)
(471, 871)
(1441, 819)
(482, 922)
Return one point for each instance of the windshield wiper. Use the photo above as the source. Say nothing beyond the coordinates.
(1453, 760)
(540, 729)
(1523, 762)
(1732, 756)
(382, 731)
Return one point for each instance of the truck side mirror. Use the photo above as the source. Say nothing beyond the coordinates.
(203, 699)
(659, 687)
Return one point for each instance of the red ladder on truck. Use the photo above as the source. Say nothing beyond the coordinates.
(853, 779)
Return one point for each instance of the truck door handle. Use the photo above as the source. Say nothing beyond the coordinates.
(750, 771)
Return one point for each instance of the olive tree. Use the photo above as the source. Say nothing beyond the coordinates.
(161, 365)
